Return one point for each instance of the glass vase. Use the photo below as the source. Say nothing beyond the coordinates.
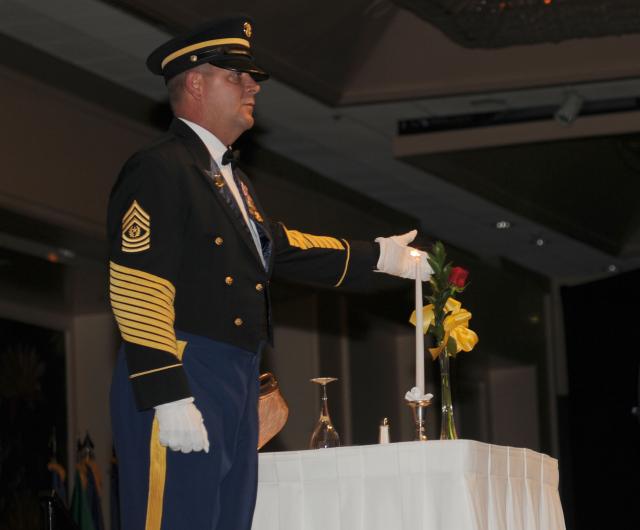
(448, 425)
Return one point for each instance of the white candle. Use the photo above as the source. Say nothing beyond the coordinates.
(419, 325)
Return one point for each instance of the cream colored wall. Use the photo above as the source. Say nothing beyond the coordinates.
(92, 343)
(60, 154)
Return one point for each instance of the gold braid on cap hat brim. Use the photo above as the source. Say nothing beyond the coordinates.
(200, 45)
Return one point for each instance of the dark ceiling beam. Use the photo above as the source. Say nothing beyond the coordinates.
(513, 134)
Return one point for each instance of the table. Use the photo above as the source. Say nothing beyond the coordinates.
(434, 485)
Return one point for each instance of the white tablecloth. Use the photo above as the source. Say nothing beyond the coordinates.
(434, 485)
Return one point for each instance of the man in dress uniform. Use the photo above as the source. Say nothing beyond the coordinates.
(191, 256)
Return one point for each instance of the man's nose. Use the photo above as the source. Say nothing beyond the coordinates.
(250, 83)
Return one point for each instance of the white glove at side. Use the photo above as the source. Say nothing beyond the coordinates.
(396, 259)
(181, 427)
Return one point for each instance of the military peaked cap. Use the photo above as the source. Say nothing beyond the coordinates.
(224, 42)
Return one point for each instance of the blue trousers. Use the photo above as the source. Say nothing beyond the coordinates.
(161, 489)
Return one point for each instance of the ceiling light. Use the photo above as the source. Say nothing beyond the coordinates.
(570, 108)
(539, 242)
(612, 268)
(503, 225)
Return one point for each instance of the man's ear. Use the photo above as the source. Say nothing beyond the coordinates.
(193, 84)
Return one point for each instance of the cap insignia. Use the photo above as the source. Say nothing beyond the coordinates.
(247, 30)
(136, 229)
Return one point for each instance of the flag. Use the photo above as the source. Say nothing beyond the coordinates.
(80, 508)
(58, 476)
(86, 508)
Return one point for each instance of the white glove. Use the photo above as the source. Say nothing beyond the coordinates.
(396, 259)
(181, 426)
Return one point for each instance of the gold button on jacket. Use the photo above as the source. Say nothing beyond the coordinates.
(238, 321)
(218, 241)
(228, 280)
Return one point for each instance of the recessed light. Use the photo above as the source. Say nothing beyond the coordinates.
(503, 225)
(612, 268)
(539, 242)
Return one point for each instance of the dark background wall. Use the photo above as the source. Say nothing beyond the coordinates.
(600, 458)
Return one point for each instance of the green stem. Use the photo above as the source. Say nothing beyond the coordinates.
(448, 426)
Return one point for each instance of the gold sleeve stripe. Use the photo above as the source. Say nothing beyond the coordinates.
(143, 306)
(168, 291)
(135, 335)
(307, 241)
(157, 474)
(142, 288)
(132, 311)
(346, 263)
(133, 317)
(147, 372)
(138, 274)
(162, 304)
(133, 326)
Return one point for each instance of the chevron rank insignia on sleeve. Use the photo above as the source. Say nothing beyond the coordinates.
(136, 229)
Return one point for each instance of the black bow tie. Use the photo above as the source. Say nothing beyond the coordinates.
(229, 157)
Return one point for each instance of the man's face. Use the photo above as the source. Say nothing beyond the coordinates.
(228, 99)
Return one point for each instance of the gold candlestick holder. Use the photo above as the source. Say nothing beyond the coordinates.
(419, 412)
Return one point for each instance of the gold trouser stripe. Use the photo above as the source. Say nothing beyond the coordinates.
(306, 241)
(346, 263)
(182, 344)
(136, 273)
(157, 475)
(147, 372)
(199, 46)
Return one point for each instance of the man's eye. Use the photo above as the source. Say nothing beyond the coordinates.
(235, 77)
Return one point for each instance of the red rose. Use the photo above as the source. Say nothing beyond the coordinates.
(458, 276)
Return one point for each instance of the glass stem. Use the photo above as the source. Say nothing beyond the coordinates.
(324, 413)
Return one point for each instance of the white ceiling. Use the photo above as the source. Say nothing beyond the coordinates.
(352, 144)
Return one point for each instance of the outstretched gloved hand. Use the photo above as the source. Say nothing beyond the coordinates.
(181, 427)
(396, 259)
